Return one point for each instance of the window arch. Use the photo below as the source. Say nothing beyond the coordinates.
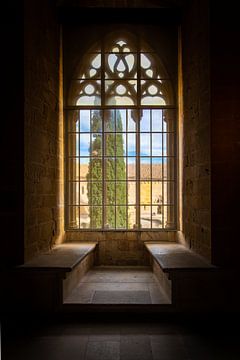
(120, 121)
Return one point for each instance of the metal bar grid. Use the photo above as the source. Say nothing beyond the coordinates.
(163, 182)
(138, 110)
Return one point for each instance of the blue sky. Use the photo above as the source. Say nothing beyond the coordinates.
(158, 141)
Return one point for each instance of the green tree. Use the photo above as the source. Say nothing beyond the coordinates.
(114, 170)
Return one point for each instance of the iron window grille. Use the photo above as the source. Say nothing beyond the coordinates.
(120, 140)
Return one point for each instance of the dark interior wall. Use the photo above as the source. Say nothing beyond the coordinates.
(41, 90)
(196, 128)
(225, 133)
(11, 134)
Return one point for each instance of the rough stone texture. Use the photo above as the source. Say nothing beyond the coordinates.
(196, 129)
(121, 247)
(41, 128)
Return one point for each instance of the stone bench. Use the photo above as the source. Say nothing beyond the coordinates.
(51, 276)
(187, 278)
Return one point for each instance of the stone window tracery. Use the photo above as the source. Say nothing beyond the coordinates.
(120, 120)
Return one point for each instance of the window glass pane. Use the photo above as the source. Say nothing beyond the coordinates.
(110, 165)
(145, 121)
(84, 120)
(121, 65)
(91, 67)
(131, 144)
(156, 92)
(121, 193)
(85, 170)
(120, 144)
(83, 189)
(145, 216)
(169, 120)
(157, 120)
(168, 191)
(120, 92)
(131, 192)
(96, 121)
(110, 193)
(151, 68)
(120, 168)
(84, 219)
(145, 168)
(157, 144)
(132, 118)
(131, 168)
(85, 92)
(157, 168)
(157, 217)
(96, 145)
(145, 192)
(165, 149)
(110, 212)
(121, 217)
(121, 120)
(131, 218)
(145, 144)
(110, 144)
(109, 120)
(95, 216)
(95, 193)
(85, 144)
(95, 169)
(157, 192)
(109, 148)
(120, 43)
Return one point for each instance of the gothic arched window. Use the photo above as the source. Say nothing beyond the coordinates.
(120, 121)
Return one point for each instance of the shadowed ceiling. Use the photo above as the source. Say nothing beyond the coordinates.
(122, 3)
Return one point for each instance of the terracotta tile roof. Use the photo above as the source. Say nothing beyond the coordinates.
(145, 171)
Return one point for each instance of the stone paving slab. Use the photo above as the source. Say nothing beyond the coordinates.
(121, 297)
(173, 256)
(65, 256)
(117, 285)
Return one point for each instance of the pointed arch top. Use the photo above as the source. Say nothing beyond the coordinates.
(121, 70)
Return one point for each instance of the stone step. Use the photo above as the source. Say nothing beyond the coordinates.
(64, 257)
(173, 257)
(190, 280)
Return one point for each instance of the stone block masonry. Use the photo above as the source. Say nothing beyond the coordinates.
(41, 127)
(196, 129)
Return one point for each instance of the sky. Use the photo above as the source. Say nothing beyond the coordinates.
(158, 139)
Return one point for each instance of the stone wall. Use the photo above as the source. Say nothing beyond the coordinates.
(41, 127)
(196, 212)
(121, 247)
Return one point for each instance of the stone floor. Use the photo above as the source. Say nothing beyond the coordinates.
(118, 285)
(160, 340)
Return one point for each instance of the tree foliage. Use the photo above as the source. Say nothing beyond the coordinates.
(115, 172)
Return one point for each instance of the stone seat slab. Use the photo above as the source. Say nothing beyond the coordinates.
(63, 257)
(174, 256)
